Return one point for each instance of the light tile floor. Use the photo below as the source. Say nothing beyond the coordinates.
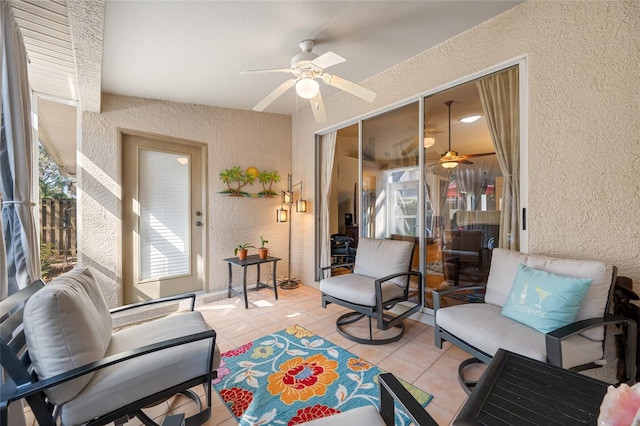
(414, 358)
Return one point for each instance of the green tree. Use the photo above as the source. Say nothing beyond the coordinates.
(53, 184)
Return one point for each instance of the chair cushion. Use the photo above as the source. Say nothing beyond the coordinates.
(481, 325)
(543, 300)
(504, 265)
(378, 258)
(124, 383)
(67, 324)
(358, 289)
(367, 415)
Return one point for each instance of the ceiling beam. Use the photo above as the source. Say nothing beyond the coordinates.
(86, 22)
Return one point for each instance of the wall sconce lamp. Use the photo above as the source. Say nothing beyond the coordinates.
(281, 216)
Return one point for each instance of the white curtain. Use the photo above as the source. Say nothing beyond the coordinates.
(437, 181)
(500, 99)
(328, 142)
(12, 54)
(23, 262)
(471, 180)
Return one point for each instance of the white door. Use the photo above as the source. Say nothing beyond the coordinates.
(163, 219)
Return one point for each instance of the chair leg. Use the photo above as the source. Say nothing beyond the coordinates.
(467, 385)
(194, 397)
(352, 317)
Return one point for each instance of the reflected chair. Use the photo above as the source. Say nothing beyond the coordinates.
(342, 250)
(462, 251)
(380, 280)
(59, 352)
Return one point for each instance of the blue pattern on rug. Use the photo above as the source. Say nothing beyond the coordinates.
(294, 376)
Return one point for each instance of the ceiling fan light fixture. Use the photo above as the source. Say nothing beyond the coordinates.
(429, 141)
(307, 88)
(470, 119)
(449, 164)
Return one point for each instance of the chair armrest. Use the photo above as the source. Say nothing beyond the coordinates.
(23, 391)
(438, 293)
(191, 296)
(378, 285)
(399, 274)
(554, 338)
(392, 390)
(337, 265)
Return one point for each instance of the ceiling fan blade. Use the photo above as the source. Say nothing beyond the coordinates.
(317, 106)
(409, 148)
(484, 154)
(284, 70)
(349, 87)
(275, 94)
(403, 141)
(327, 60)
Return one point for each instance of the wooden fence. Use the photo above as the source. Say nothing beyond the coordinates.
(58, 225)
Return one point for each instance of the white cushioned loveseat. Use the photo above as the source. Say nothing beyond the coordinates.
(88, 372)
(482, 328)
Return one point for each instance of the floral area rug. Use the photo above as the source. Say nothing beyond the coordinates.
(294, 376)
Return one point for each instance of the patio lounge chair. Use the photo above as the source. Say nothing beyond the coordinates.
(60, 353)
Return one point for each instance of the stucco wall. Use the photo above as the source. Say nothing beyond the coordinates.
(583, 121)
(233, 137)
(583, 127)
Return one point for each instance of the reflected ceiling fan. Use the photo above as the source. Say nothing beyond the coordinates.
(408, 146)
(451, 159)
(306, 67)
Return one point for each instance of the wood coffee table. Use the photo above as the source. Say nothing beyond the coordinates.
(516, 390)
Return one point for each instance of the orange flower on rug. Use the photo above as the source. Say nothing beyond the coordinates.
(301, 379)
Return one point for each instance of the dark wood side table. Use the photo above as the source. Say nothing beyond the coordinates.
(251, 260)
(516, 390)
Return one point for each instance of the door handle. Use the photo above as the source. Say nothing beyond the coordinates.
(198, 223)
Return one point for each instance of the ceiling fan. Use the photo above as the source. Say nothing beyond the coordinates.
(306, 67)
(451, 159)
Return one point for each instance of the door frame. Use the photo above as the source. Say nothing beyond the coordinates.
(122, 132)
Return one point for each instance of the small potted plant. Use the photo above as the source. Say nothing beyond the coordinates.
(242, 250)
(262, 250)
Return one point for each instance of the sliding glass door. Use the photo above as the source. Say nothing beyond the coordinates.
(442, 172)
(391, 179)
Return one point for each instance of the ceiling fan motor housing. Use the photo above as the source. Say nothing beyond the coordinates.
(303, 60)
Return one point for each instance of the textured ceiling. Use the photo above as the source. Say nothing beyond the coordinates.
(194, 51)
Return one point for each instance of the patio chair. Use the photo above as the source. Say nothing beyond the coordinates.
(391, 390)
(380, 280)
(559, 319)
(60, 354)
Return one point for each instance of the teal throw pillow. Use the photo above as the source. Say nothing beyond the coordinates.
(543, 300)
